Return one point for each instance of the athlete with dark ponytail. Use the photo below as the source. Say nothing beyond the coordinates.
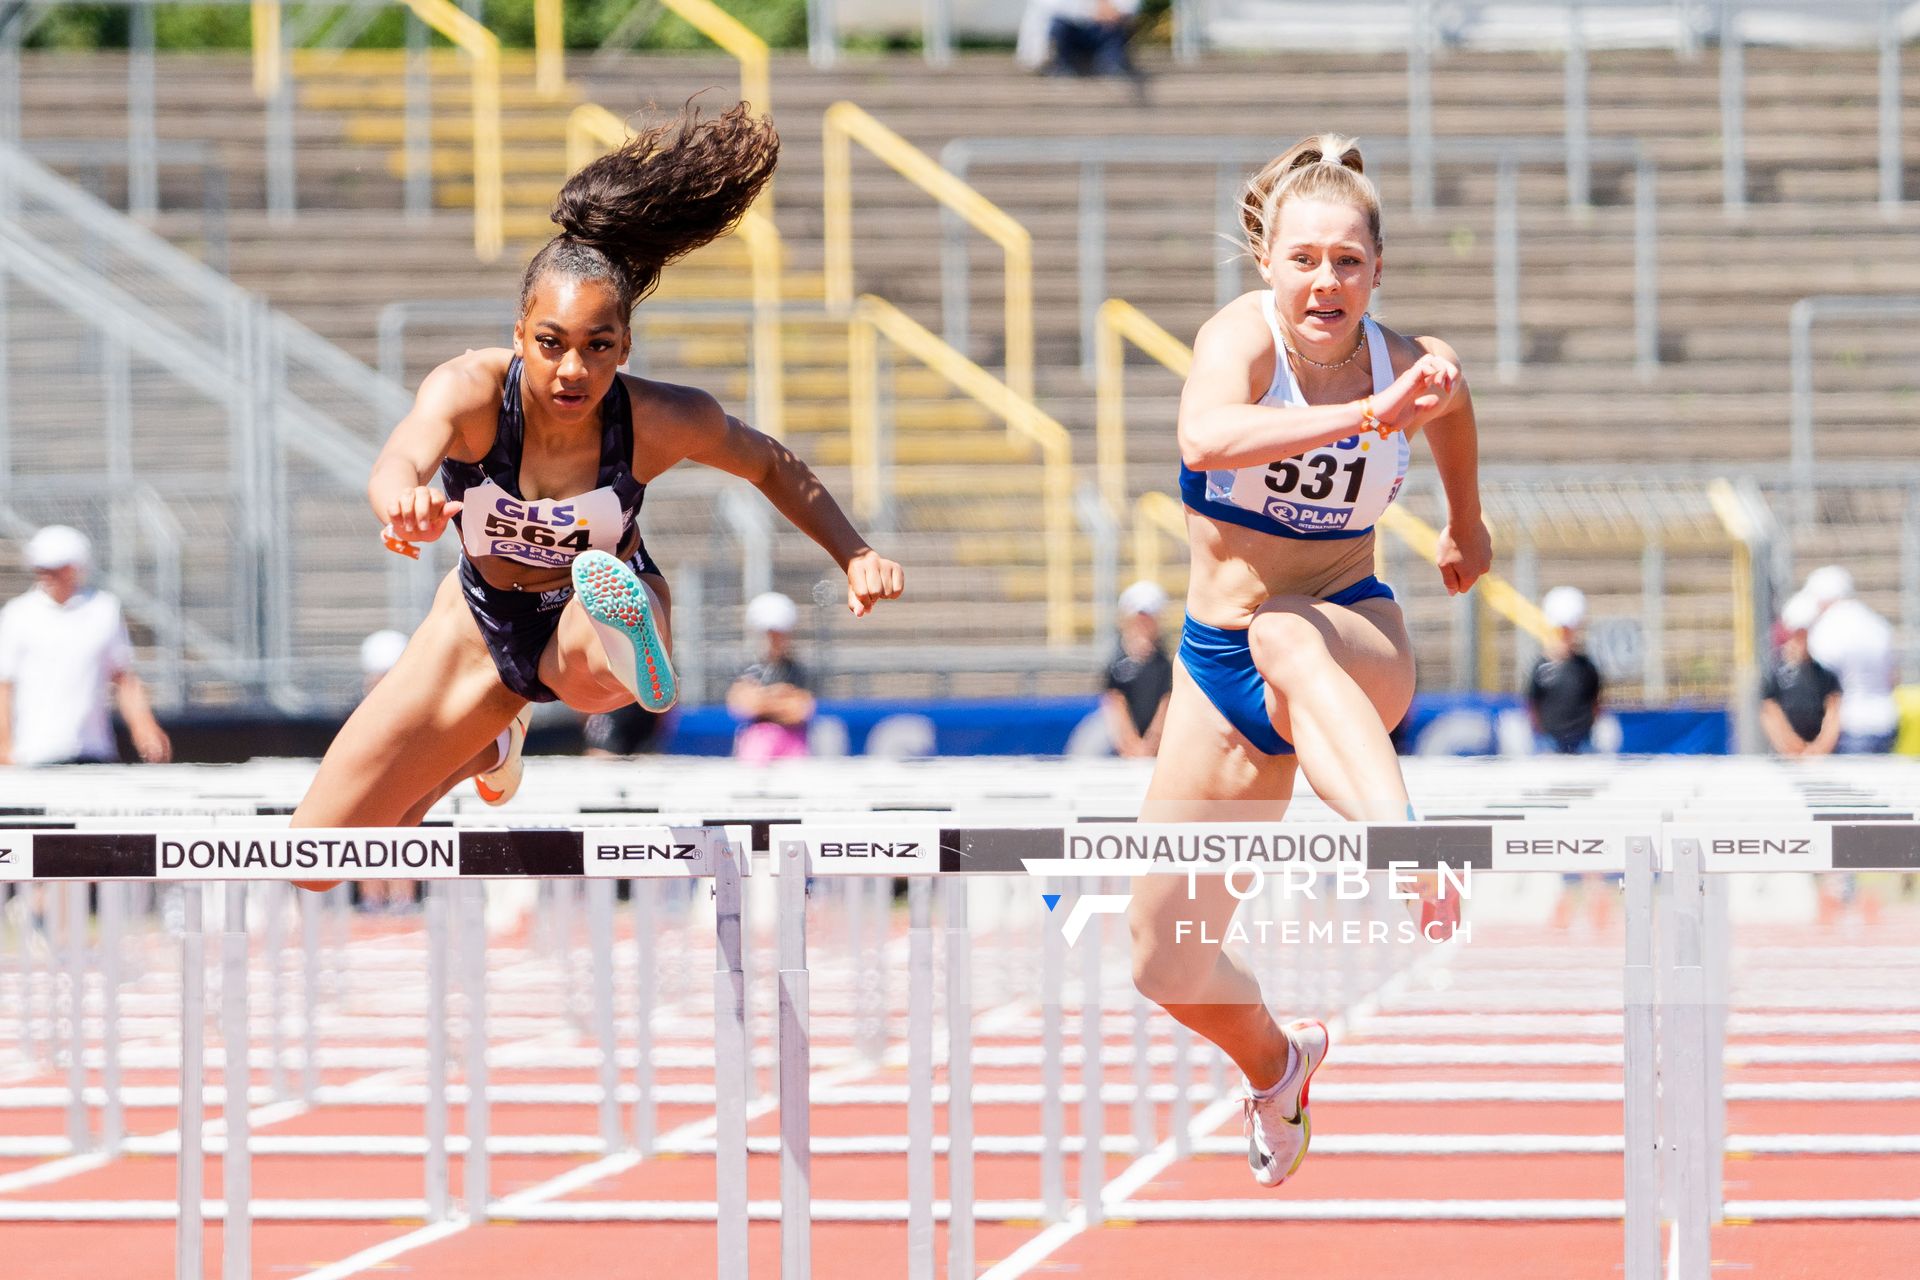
(543, 454)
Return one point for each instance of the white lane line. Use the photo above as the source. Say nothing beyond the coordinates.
(1116, 1193)
(609, 1166)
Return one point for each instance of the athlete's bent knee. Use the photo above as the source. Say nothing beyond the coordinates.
(1288, 648)
(1169, 969)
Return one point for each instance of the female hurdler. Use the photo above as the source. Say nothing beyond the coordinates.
(544, 453)
(1294, 437)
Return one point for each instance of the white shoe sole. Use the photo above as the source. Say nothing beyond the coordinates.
(1311, 1041)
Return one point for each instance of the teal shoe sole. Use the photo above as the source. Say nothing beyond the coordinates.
(622, 615)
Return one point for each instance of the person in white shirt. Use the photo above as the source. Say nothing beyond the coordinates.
(1849, 639)
(62, 646)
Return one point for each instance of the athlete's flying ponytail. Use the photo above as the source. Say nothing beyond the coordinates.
(669, 190)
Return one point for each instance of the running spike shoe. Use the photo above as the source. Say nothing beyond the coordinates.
(622, 611)
(497, 785)
(1279, 1127)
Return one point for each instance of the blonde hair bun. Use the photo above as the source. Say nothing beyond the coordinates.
(1324, 166)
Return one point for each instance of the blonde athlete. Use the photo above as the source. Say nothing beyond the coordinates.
(544, 453)
(1294, 437)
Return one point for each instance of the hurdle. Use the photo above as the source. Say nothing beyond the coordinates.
(1674, 980)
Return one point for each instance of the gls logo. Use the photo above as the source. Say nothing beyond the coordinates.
(1583, 848)
(1762, 848)
(646, 853)
(868, 848)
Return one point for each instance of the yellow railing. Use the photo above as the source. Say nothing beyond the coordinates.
(479, 44)
(1119, 321)
(846, 124)
(268, 66)
(1156, 517)
(873, 318)
(1733, 517)
(549, 48)
(592, 131)
(748, 49)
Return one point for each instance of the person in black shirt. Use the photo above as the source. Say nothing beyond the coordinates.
(1563, 694)
(774, 695)
(1799, 698)
(627, 731)
(1140, 677)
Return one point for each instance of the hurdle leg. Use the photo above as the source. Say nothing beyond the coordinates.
(1053, 1120)
(960, 1243)
(188, 1170)
(310, 904)
(855, 895)
(113, 928)
(1092, 1107)
(729, 1070)
(474, 941)
(1181, 1120)
(236, 1168)
(1716, 961)
(272, 896)
(1639, 1120)
(1686, 1050)
(600, 944)
(437, 1175)
(79, 1123)
(796, 1068)
(645, 1125)
(919, 1079)
(1144, 1129)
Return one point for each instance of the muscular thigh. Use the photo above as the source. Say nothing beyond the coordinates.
(1205, 772)
(441, 703)
(574, 665)
(1367, 640)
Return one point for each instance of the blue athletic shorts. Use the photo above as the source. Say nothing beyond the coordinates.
(1221, 663)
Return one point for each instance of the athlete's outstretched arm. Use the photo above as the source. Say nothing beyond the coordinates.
(1221, 426)
(719, 440)
(1466, 548)
(398, 490)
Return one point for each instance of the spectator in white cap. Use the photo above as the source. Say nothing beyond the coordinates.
(774, 695)
(1563, 693)
(1139, 679)
(1849, 639)
(1799, 698)
(62, 646)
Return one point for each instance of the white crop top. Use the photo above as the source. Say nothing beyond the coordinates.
(1338, 490)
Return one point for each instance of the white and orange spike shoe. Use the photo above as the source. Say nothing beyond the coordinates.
(1279, 1126)
(497, 785)
(622, 611)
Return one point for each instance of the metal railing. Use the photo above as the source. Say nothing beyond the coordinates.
(1227, 157)
(733, 37)
(874, 318)
(591, 131)
(1751, 526)
(285, 393)
(1800, 321)
(272, 80)
(846, 124)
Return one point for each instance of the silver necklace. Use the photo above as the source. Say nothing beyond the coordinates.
(1351, 356)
